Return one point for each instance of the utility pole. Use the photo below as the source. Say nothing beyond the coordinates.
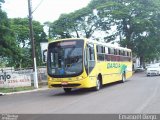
(33, 45)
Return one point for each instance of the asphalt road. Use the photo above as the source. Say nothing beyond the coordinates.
(140, 94)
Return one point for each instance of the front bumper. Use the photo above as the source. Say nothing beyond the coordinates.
(153, 72)
(84, 83)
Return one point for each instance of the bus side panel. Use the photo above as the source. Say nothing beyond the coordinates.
(112, 71)
(129, 70)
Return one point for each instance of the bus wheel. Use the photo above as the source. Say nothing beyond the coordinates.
(123, 78)
(67, 90)
(98, 85)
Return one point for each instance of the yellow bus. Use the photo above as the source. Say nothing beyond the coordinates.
(84, 63)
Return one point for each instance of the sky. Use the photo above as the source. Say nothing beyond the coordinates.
(48, 10)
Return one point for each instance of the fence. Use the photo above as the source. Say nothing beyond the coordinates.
(27, 72)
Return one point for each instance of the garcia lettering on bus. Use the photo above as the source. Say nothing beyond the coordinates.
(113, 65)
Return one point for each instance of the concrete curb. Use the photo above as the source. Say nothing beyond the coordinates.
(27, 91)
(1, 94)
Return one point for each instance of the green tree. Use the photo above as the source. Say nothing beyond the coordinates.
(136, 23)
(61, 27)
(1, 1)
(8, 47)
(81, 23)
(21, 32)
(15, 45)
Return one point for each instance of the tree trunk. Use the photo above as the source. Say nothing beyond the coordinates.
(142, 63)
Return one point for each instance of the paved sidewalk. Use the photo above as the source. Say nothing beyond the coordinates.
(26, 91)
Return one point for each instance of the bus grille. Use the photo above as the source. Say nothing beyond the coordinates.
(69, 85)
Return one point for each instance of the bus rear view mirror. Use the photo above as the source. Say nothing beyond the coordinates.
(44, 56)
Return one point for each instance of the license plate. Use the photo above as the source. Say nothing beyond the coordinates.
(64, 83)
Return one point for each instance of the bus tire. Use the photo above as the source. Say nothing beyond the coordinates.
(67, 90)
(123, 78)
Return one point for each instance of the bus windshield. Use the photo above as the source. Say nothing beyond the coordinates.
(65, 58)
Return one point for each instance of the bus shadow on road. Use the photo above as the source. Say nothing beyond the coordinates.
(113, 84)
(84, 91)
(74, 92)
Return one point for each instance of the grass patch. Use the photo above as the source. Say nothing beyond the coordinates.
(16, 89)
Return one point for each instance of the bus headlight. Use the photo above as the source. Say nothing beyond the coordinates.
(49, 78)
(80, 77)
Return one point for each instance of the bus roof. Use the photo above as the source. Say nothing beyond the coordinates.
(109, 45)
(96, 42)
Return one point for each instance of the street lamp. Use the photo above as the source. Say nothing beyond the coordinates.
(33, 46)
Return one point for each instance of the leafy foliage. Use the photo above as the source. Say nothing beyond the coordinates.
(7, 41)
(1, 1)
(21, 33)
(136, 22)
(15, 45)
(81, 23)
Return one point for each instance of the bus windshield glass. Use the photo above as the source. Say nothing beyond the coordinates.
(65, 58)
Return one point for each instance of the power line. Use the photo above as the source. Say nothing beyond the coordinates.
(37, 6)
